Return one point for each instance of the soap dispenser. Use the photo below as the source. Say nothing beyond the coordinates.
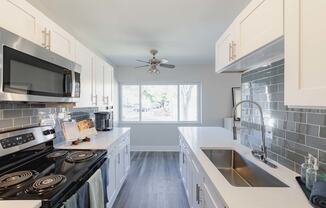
(311, 174)
(304, 166)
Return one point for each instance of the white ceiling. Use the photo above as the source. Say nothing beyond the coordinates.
(184, 31)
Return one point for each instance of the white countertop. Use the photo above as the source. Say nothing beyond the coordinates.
(103, 140)
(240, 197)
(20, 204)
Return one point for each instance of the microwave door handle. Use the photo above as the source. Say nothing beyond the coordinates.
(67, 81)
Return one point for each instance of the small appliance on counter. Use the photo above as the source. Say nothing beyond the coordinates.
(78, 132)
(31, 169)
(104, 120)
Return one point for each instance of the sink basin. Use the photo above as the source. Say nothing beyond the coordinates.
(239, 171)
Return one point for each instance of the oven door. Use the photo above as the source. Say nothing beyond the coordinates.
(31, 73)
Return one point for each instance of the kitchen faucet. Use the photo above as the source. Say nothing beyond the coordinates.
(262, 153)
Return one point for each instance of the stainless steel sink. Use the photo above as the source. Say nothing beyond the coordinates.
(239, 171)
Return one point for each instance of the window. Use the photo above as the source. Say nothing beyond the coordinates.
(160, 103)
(130, 102)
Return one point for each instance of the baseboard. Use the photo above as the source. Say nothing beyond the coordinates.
(154, 148)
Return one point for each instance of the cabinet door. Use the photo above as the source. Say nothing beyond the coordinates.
(60, 42)
(258, 24)
(189, 181)
(210, 198)
(127, 156)
(196, 186)
(225, 51)
(181, 158)
(112, 176)
(305, 46)
(20, 18)
(97, 84)
(84, 58)
(108, 82)
(119, 168)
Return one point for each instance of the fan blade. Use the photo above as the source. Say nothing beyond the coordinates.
(143, 61)
(137, 67)
(164, 61)
(170, 66)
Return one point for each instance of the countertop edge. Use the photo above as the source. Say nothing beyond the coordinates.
(229, 192)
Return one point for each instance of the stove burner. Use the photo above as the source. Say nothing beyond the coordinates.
(48, 182)
(57, 154)
(80, 156)
(15, 178)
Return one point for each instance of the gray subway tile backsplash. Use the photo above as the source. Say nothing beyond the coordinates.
(318, 119)
(316, 142)
(16, 115)
(322, 156)
(6, 123)
(323, 132)
(24, 121)
(11, 113)
(294, 132)
(286, 162)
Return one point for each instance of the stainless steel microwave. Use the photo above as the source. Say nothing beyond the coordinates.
(31, 73)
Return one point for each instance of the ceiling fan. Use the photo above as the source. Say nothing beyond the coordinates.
(153, 63)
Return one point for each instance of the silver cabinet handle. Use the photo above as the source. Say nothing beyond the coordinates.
(48, 34)
(119, 158)
(230, 52)
(233, 54)
(127, 149)
(198, 194)
(94, 99)
(106, 100)
(44, 37)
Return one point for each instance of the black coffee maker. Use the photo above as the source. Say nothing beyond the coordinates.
(104, 121)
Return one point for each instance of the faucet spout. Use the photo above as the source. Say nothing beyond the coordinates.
(262, 153)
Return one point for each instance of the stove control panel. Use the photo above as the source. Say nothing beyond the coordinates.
(16, 140)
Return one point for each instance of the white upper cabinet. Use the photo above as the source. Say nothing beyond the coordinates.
(225, 52)
(305, 46)
(84, 58)
(98, 81)
(258, 24)
(20, 18)
(57, 40)
(108, 84)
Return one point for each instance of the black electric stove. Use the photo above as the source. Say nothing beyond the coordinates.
(31, 169)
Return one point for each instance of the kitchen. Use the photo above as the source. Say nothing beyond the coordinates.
(119, 105)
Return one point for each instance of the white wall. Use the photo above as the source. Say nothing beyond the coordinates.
(216, 101)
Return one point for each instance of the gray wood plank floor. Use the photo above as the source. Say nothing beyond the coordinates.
(154, 181)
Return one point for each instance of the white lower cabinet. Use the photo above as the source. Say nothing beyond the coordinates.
(197, 181)
(111, 187)
(201, 193)
(119, 156)
(119, 165)
(209, 201)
